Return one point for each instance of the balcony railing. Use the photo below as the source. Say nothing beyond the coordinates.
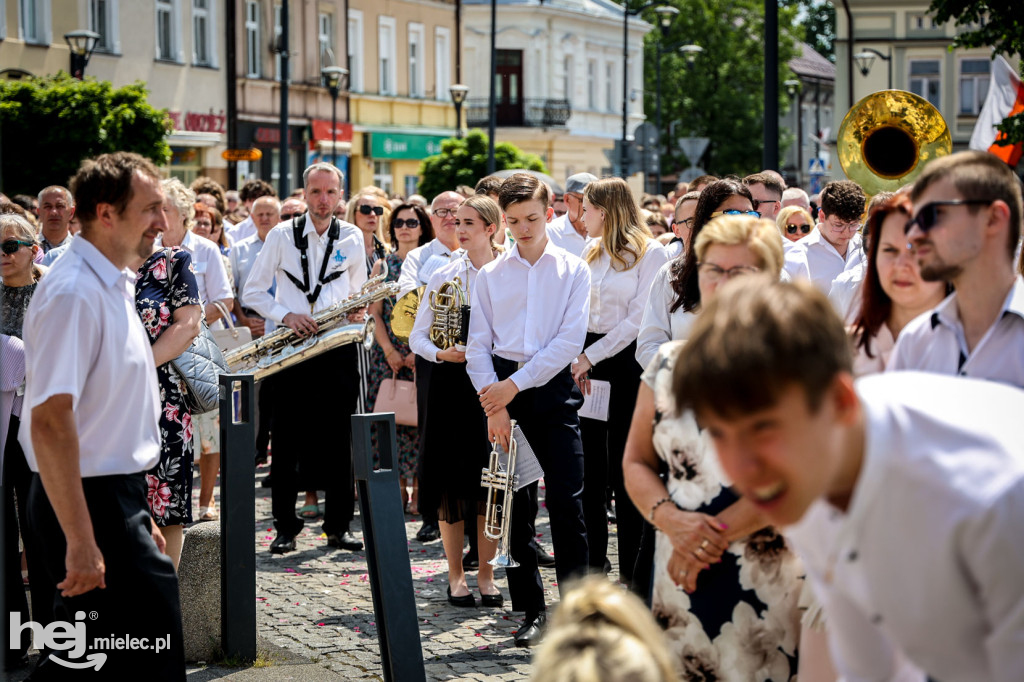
(529, 113)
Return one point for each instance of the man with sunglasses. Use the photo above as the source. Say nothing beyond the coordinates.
(964, 230)
(835, 244)
(766, 190)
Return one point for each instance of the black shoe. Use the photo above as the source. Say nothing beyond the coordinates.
(492, 600)
(428, 532)
(344, 541)
(15, 661)
(532, 630)
(465, 600)
(261, 460)
(266, 482)
(543, 558)
(282, 543)
(470, 562)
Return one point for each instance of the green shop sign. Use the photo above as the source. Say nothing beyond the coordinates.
(404, 146)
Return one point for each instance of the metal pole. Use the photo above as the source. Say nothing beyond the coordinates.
(282, 181)
(231, 72)
(770, 157)
(657, 77)
(889, 62)
(799, 110)
(623, 152)
(817, 119)
(458, 120)
(492, 121)
(334, 128)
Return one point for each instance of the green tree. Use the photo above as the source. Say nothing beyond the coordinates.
(464, 162)
(49, 125)
(817, 20)
(998, 24)
(721, 96)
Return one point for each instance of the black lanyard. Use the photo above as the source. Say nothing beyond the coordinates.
(333, 232)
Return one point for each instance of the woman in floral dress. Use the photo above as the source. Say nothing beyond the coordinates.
(167, 299)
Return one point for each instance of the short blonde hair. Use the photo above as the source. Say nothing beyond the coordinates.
(782, 219)
(602, 633)
(182, 198)
(759, 235)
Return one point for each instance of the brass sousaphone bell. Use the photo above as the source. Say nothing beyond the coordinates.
(887, 139)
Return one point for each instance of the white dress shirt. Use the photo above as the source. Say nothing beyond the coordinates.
(242, 230)
(534, 314)
(280, 255)
(935, 342)
(674, 249)
(618, 299)
(208, 263)
(420, 264)
(813, 258)
(845, 292)
(658, 325)
(564, 235)
(461, 267)
(84, 338)
(242, 258)
(927, 559)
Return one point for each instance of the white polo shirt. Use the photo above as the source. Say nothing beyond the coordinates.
(926, 563)
(564, 235)
(813, 258)
(935, 342)
(84, 338)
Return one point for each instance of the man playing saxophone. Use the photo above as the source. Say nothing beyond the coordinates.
(316, 261)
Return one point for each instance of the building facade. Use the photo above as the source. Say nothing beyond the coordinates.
(808, 162)
(559, 77)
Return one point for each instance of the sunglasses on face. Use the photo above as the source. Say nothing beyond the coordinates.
(733, 211)
(12, 245)
(366, 209)
(928, 216)
(411, 223)
(289, 216)
(791, 228)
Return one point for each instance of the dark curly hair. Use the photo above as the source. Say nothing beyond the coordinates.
(844, 199)
(684, 270)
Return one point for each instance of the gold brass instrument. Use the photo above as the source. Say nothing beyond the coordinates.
(403, 315)
(450, 326)
(501, 486)
(888, 137)
(283, 348)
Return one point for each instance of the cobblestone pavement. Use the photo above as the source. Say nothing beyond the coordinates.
(316, 603)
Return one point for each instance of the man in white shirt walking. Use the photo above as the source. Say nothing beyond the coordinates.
(966, 224)
(906, 489)
(91, 430)
(568, 231)
(250, 192)
(834, 245)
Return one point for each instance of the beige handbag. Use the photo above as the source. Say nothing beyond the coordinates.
(232, 337)
(398, 396)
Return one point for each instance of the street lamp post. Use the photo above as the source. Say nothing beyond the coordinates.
(793, 90)
(626, 14)
(665, 16)
(333, 79)
(458, 93)
(81, 44)
(865, 59)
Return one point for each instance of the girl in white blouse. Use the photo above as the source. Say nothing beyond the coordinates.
(624, 260)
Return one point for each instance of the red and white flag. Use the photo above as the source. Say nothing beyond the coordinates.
(1005, 98)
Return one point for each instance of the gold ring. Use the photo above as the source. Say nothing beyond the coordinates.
(704, 544)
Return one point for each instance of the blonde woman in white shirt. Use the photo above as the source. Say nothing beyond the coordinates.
(624, 260)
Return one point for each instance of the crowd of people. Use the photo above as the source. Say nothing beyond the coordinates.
(656, 393)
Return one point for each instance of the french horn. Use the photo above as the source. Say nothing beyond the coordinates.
(887, 139)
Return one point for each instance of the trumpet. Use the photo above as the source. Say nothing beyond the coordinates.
(501, 486)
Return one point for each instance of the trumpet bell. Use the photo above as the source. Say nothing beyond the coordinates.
(887, 139)
(403, 315)
(503, 561)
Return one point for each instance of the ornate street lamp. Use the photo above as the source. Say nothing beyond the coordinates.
(459, 93)
(81, 44)
(334, 80)
(865, 59)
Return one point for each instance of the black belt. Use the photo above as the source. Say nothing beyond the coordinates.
(249, 312)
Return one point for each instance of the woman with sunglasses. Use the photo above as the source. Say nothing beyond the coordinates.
(20, 276)
(370, 213)
(623, 259)
(675, 294)
(408, 228)
(794, 223)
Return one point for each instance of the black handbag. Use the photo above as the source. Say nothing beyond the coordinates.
(199, 367)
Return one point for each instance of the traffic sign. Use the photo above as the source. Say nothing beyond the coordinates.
(241, 155)
(691, 174)
(816, 166)
(693, 147)
(646, 135)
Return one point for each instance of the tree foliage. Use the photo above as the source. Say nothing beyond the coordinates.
(721, 96)
(49, 125)
(817, 20)
(998, 24)
(464, 162)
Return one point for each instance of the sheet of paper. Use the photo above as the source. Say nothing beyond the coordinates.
(528, 468)
(595, 405)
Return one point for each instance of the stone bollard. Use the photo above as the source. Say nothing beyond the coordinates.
(199, 586)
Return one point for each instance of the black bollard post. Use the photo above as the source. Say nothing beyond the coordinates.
(387, 553)
(238, 516)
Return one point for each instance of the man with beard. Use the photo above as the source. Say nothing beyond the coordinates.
(967, 220)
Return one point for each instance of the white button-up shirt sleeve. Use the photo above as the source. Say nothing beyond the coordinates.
(218, 286)
(419, 339)
(655, 325)
(408, 280)
(479, 364)
(256, 292)
(627, 326)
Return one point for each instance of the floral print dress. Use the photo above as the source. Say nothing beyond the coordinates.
(742, 623)
(169, 483)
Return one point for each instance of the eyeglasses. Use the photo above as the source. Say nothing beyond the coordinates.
(791, 228)
(289, 216)
(712, 273)
(851, 226)
(733, 211)
(684, 221)
(366, 209)
(12, 245)
(444, 212)
(411, 223)
(757, 204)
(929, 213)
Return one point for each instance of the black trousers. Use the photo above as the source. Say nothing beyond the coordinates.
(603, 446)
(548, 418)
(312, 424)
(141, 595)
(264, 414)
(424, 368)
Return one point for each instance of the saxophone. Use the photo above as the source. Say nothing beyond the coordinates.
(283, 348)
